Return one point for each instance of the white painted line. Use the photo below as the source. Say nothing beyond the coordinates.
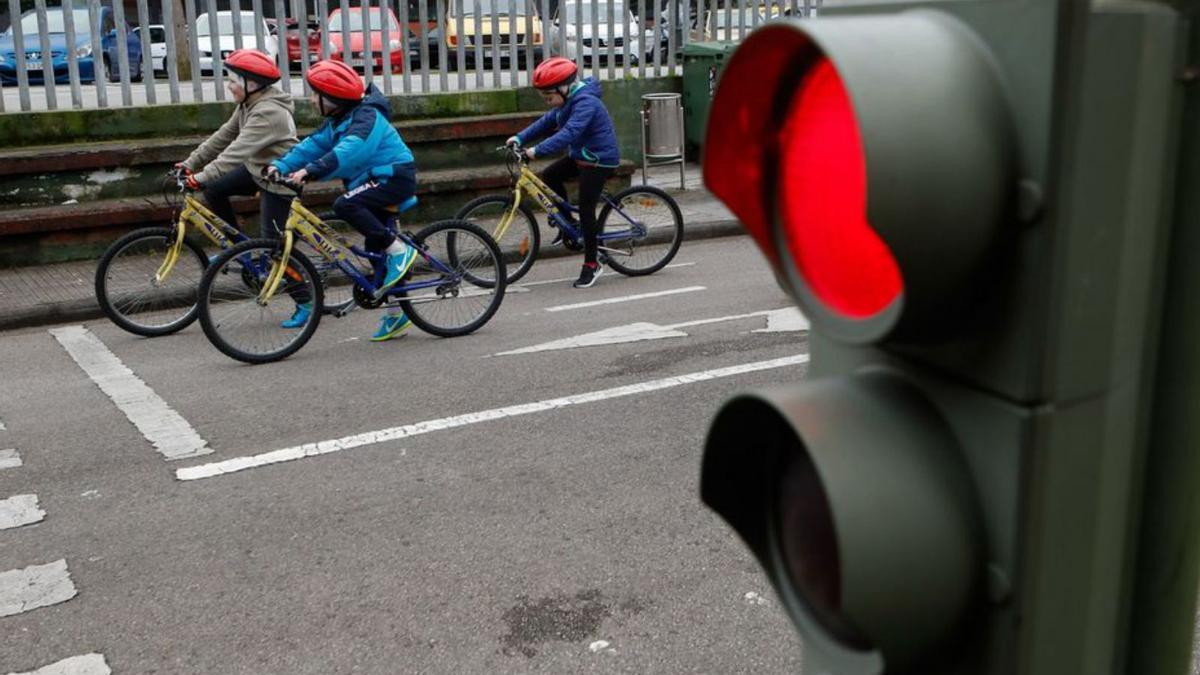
(625, 298)
(788, 320)
(19, 510)
(166, 429)
(88, 664)
(2, 427)
(408, 430)
(9, 459)
(634, 332)
(543, 282)
(720, 319)
(35, 586)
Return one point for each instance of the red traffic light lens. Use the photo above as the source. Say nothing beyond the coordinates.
(823, 206)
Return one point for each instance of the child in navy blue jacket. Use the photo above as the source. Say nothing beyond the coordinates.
(578, 123)
(358, 144)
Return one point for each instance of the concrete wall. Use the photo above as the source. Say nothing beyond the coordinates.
(622, 97)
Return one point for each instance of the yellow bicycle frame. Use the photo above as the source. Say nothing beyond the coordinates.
(529, 183)
(312, 229)
(199, 216)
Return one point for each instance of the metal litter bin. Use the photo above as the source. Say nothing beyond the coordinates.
(662, 133)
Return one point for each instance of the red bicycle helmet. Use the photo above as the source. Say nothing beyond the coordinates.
(253, 65)
(335, 80)
(554, 72)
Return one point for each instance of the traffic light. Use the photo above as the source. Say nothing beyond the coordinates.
(968, 202)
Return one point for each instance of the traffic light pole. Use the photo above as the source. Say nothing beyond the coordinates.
(1164, 596)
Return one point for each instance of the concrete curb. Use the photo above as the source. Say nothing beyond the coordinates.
(87, 309)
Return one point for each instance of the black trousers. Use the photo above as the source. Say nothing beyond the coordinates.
(273, 208)
(366, 207)
(591, 184)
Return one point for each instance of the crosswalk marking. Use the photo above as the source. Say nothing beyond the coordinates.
(396, 433)
(9, 459)
(35, 586)
(88, 664)
(20, 510)
(166, 429)
(624, 298)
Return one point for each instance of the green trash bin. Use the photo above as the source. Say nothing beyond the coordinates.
(702, 64)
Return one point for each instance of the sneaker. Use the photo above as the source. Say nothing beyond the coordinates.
(398, 265)
(300, 316)
(588, 275)
(392, 326)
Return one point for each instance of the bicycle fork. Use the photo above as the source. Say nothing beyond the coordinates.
(172, 256)
(278, 269)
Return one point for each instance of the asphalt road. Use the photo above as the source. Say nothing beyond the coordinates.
(566, 538)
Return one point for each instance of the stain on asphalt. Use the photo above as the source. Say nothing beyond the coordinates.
(662, 359)
(562, 618)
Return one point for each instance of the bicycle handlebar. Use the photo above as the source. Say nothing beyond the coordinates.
(280, 179)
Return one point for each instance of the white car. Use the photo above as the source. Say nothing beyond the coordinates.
(158, 46)
(584, 36)
(226, 42)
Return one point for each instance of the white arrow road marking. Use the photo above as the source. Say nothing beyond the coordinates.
(408, 430)
(786, 320)
(88, 664)
(166, 429)
(778, 321)
(9, 459)
(35, 586)
(543, 282)
(19, 510)
(624, 298)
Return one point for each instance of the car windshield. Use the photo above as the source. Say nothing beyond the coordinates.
(574, 10)
(55, 22)
(356, 22)
(498, 7)
(225, 24)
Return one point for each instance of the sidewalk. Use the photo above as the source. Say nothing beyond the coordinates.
(34, 296)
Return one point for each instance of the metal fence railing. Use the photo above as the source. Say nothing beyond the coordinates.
(106, 53)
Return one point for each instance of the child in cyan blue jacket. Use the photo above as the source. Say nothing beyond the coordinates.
(578, 123)
(358, 144)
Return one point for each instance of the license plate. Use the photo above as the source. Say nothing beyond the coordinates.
(33, 65)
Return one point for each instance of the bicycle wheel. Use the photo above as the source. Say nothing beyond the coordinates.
(230, 312)
(651, 227)
(519, 245)
(128, 291)
(456, 305)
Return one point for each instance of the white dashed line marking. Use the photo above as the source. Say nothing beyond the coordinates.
(9, 459)
(20, 510)
(35, 586)
(624, 298)
(166, 429)
(88, 664)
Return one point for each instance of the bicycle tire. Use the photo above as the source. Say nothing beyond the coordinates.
(132, 310)
(667, 229)
(521, 241)
(476, 254)
(226, 308)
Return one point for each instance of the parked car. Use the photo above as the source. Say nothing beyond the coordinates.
(580, 31)
(312, 35)
(226, 41)
(158, 46)
(497, 43)
(355, 26)
(92, 60)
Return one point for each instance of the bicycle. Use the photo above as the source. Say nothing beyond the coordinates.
(649, 221)
(239, 292)
(147, 281)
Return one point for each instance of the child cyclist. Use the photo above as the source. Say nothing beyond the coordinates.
(580, 124)
(358, 144)
(229, 162)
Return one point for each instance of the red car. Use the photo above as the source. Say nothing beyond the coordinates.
(355, 28)
(312, 36)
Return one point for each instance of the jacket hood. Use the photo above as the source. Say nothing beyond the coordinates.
(377, 100)
(273, 94)
(591, 87)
